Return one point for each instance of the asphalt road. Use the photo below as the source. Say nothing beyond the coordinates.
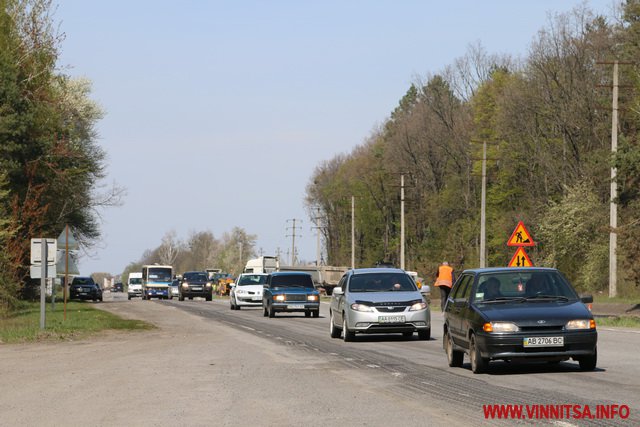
(209, 365)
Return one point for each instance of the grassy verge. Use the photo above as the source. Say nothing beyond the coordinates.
(82, 320)
(620, 300)
(622, 321)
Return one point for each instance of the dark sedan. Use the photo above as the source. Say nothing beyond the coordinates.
(518, 313)
(195, 284)
(85, 288)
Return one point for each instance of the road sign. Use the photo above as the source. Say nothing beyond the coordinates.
(62, 263)
(67, 240)
(36, 251)
(520, 236)
(520, 259)
(35, 271)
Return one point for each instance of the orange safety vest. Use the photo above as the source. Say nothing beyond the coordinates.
(445, 276)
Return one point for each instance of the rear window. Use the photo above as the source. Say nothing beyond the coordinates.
(292, 281)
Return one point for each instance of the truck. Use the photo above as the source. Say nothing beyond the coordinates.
(134, 284)
(156, 280)
(324, 276)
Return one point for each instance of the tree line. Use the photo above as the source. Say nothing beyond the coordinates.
(546, 120)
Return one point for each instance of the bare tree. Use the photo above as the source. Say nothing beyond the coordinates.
(169, 248)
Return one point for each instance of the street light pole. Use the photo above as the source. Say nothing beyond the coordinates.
(613, 207)
(402, 221)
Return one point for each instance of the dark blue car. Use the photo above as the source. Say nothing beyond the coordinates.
(290, 292)
(518, 313)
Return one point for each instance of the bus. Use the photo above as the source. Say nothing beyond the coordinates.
(156, 280)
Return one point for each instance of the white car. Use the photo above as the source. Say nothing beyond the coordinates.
(247, 290)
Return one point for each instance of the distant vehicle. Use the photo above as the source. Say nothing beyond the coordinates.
(378, 301)
(263, 264)
(212, 271)
(290, 292)
(84, 288)
(174, 290)
(155, 281)
(134, 285)
(118, 287)
(518, 314)
(247, 290)
(195, 284)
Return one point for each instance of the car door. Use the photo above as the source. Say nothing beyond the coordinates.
(338, 301)
(456, 307)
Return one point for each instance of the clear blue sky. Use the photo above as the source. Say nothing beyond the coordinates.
(217, 112)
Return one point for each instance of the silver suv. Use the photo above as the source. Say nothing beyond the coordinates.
(378, 301)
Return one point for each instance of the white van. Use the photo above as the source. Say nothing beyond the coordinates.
(134, 285)
(263, 264)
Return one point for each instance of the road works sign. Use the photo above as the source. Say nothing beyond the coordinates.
(521, 236)
(520, 259)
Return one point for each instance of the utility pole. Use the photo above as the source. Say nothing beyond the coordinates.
(402, 221)
(353, 232)
(293, 239)
(317, 227)
(483, 209)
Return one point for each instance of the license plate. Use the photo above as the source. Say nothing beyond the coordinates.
(197, 289)
(294, 306)
(256, 299)
(391, 319)
(543, 342)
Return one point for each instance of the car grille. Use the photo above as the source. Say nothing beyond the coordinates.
(385, 309)
(296, 297)
(554, 328)
(390, 307)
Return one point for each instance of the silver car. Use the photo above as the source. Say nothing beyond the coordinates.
(247, 290)
(378, 301)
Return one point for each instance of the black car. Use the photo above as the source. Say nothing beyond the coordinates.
(85, 288)
(290, 292)
(118, 287)
(195, 284)
(518, 313)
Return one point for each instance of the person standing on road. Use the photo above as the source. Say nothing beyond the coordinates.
(444, 280)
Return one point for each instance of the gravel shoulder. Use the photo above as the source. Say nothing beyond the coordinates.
(201, 374)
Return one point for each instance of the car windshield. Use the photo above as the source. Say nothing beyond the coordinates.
(381, 282)
(196, 277)
(135, 281)
(292, 281)
(523, 286)
(82, 281)
(252, 279)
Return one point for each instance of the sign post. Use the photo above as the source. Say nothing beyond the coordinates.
(43, 255)
(69, 243)
(43, 280)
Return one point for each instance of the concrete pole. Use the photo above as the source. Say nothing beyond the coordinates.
(293, 243)
(613, 207)
(353, 232)
(402, 222)
(483, 208)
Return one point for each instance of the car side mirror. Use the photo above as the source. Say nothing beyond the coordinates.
(232, 285)
(586, 298)
(338, 290)
(425, 289)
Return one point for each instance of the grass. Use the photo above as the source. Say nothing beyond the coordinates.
(83, 320)
(622, 321)
(621, 300)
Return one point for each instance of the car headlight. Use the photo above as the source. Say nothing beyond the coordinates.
(581, 324)
(278, 298)
(208, 285)
(418, 306)
(185, 285)
(312, 297)
(240, 291)
(500, 327)
(362, 307)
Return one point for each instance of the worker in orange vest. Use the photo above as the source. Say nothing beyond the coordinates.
(444, 280)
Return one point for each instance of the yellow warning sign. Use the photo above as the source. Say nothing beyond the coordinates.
(521, 236)
(520, 259)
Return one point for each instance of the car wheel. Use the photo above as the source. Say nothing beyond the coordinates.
(265, 312)
(238, 306)
(425, 334)
(272, 312)
(129, 297)
(209, 298)
(478, 363)
(588, 363)
(181, 298)
(407, 334)
(333, 330)
(454, 357)
(347, 335)
(307, 313)
(316, 313)
(191, 298)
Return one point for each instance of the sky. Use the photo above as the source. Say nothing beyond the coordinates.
(218, 112)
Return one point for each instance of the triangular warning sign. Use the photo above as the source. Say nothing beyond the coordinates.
(520, 236)
(520, 259)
